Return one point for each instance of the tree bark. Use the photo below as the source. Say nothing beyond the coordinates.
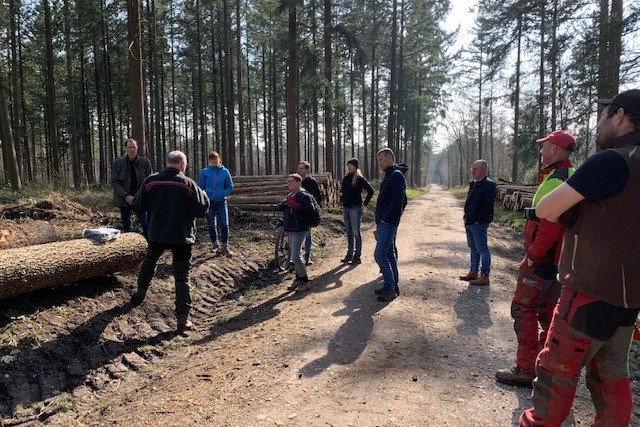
(52, 264)
(73, 146)
(9, 156)
(136, 82)
(293, 136)
(17, 235)
(328, 125)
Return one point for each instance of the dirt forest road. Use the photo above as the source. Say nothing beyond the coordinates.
(335, 356)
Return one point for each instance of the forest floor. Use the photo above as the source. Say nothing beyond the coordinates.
(261, 355)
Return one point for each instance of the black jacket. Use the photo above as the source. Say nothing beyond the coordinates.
(478, 208)
(293, 217)
(173, 202)
(352, 194)
(392, 197)
(311, 185)
(121, 177)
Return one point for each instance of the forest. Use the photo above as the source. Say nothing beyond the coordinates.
(267, 83)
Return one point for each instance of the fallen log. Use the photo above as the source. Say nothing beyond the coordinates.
(43, 266)
(16, 235)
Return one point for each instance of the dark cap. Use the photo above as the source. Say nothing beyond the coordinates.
(629, 100)
(354, 162)
(561, 138)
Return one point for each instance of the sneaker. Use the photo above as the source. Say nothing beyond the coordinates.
(138, 297)
(304, 287)
(387, 295)
(381, 290)
(515, 376)
(482, 280)
(298, 282)
(308, 262)
(224, 250)
(184, 325)
(469, 276)
(356, 260)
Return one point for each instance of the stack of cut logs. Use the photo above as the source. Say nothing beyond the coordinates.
(515, 197)
(262, 193)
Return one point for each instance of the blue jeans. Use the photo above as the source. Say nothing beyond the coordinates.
(385, 256)
(218, 218)
(296, 238)
(352, 217)
(307, 247)
(127, 224)
(477, 242)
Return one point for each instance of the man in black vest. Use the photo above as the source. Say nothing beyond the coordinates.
(599, 268)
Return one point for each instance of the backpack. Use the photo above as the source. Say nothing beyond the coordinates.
(312, 218)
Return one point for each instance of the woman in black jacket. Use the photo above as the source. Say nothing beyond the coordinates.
(352, 185)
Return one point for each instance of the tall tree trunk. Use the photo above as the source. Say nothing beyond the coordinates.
(9, 157)
(314, 90)
(87, 152)
(102, 141)
(136, 82)
(615, 44)
(74, 146)
(14, 12)
(541, 95)
(51, 96)
(231, 146)
(239, 61)
(480, 100)
(553, 57)
(266, 114)
(328, 126)
(202, 110)
(516, 105)
(391, 122)
(291, 86)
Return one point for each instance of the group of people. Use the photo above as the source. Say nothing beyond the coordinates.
(577, 293)
(389, 207)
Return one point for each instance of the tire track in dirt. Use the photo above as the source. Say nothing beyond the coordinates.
(78, 338)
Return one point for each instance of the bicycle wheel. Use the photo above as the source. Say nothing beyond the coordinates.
(282, 254)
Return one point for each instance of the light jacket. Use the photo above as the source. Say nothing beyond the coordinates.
(543, 240)
(216, 181)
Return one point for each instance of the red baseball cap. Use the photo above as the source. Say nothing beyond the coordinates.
(561, 138)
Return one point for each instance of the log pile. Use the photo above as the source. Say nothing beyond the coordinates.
(262, 193)
(515, 197)
(41, 266)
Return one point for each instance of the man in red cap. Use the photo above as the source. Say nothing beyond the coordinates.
(599, 268)
(537, 289)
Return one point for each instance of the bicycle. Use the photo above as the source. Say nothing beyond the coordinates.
(282, 252)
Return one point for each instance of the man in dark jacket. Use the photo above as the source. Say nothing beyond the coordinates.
(173, 202)
(478, 214)
(296, 206)
(310, 184)
(389, 208)
(599, 268)
(127, 174)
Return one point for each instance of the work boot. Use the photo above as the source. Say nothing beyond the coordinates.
(356, 260)
(183, 326)
(469, 276)
(347, 259)
(138, 297)
(515, 376)
(216, 249)
(299, 280)
(308, 262)
(224, 251)
(387, 295)
(482, 280)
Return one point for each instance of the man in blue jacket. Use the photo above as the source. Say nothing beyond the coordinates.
(478, 214)
(173, 202)
(216, 181)
(391, 202)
